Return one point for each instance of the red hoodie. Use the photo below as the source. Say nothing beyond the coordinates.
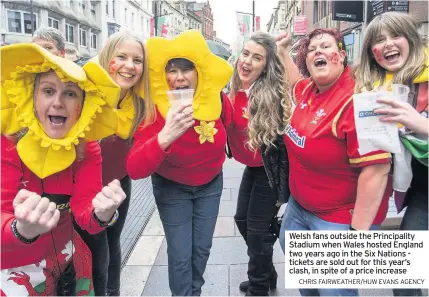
(186, 161)
(82, 181)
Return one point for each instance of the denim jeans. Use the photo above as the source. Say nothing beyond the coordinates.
(415, 218)
(296, 218)
(256, 207)
(106, 249)
(188, 215)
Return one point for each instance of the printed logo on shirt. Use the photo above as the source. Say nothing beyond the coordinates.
(303, 105)
(293, 135)
(319, 114)
(367, 113)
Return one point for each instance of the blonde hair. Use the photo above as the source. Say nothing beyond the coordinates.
(398, 24)
(144, 109)
(269, 105)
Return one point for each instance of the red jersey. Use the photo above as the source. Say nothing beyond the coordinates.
(186, 160)
(238, 133)
(323, 152)
(82, 181)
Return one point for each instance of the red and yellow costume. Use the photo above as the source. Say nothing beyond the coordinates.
(197, 156)
(40, 164)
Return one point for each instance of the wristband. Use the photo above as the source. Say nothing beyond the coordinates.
(109, 223)
(19, 236)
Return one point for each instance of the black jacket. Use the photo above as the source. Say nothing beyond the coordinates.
(276, 164)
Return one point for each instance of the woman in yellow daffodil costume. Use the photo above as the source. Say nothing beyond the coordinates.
(52, 112)
(183, 150)
(394, 52)
(124, 58)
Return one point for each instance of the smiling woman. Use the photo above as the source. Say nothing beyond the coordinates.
(124, 58)
(332, 186)
(51, 170)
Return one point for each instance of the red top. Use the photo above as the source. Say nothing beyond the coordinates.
(15, 176)
(238, 134)
(114, 152)
(186, 160)
(323, 152)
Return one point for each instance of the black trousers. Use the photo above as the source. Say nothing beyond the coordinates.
(106, 250)
(256, 207)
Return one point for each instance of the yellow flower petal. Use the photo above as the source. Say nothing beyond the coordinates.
(213, 72)
(202, 139)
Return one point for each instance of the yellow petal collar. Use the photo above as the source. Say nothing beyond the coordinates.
(126, 114)
(41, 154)
(213, 72)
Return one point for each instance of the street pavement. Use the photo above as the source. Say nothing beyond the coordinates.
(146, 271)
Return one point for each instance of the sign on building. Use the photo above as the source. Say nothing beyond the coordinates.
(377, 7)
(348, 11)
(300, 25)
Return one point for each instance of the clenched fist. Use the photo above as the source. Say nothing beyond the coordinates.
(34, 215)
(108, 200)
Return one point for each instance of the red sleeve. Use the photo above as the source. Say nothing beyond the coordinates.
(87, 184)
(11, 176)
(227, 111)
(344, 128)
(299, 88)
(145, 155)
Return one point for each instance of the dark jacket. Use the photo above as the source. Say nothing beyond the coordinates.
(276, 164)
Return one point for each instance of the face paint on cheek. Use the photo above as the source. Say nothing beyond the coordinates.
(377, 54)
(113, 67)
(334, 58)
(78, 109)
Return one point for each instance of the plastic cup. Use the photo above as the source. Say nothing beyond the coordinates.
(179, 97)
(401, 92)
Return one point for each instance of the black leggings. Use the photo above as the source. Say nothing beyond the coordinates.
(256, 207)
(106, 250)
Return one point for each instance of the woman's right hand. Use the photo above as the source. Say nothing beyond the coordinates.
(34, 215)
(283, 42)
(176, 123)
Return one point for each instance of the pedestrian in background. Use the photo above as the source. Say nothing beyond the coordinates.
(393, 52)
(183, 151)
(332, 186)
(124, 58)
(261, 111)
(51, 40)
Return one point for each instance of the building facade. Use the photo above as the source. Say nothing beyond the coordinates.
(204, 12)
(134, 15)
(85, 24)
(79, 21)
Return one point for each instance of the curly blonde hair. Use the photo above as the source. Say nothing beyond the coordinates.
(269, 105)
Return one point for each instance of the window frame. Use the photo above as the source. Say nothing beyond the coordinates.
(67, 33)
(22, 20)
(52, 21)
(92, 36)
(83, 39)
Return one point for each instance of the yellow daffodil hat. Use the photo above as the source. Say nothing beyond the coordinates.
(213, 72)
(41, 154)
